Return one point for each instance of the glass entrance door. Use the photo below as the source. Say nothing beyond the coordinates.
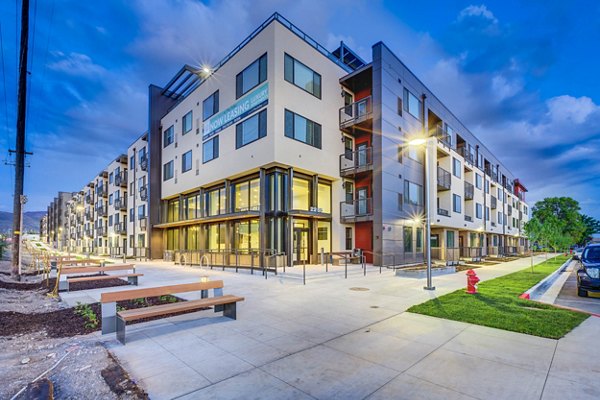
(301, 241)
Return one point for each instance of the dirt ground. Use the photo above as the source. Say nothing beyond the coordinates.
(88, 371)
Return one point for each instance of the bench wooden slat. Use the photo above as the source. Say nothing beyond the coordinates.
(77, 262)
(101, 277)
(153, 311)
(83, 270)
(159, 291)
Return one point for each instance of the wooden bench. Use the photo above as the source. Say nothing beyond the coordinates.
(64, 280)
(113, 321)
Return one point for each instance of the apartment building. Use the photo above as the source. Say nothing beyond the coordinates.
(138, 175)
(89, 219)
(101, 213)
(284, 147)
(57, 220)
(44, 229)
(117, 206)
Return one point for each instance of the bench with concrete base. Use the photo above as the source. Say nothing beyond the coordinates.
(64, 280)
(113, 321)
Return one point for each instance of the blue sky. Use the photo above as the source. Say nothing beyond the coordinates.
(522, 75)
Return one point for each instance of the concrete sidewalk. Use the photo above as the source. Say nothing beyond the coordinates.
(326, 340)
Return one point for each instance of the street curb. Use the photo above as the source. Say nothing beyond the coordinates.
(543, 285)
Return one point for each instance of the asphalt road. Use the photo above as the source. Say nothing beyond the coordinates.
(568, 294)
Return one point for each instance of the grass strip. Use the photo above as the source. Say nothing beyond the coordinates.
(498, 305)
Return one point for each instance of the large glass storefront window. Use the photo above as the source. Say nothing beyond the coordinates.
(246, 235)
(247, 195)
(191, 237)
(173, 210)
(216, 237)
(324, 198)
(173, 239)
(190, 206)
(215, 202)
(301, 194)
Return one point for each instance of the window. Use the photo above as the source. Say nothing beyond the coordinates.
(110, 199)
(300, 75)
(302, 129)
(247, 195)
(450, 239)
(400, 202)
(487, 213)
(415, 153)
(500, 218)
(168, 136)
(399, 106)
(142, 154)
(412, 104)
(186, 123)
(246, 235)
(413, 194)
(132, 162)
(478, 183)
(456, 167)
(408, 245)
(456, 203)
(419, 240)
(348, 238)
(487, 186)
(215, 202)
(324, 198)
(131, 214)
(300, 194)
(478, 211)
(400, 149)
(252, 76)
(210, 106)
(110, 177)
(323, 237)
(168, 171)
(186, 161)
(500, 194)
(210, 150)
(141, 211)
(322, 233)
(251, 129)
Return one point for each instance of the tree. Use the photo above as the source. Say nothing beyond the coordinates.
(591, 225)
(561, 220)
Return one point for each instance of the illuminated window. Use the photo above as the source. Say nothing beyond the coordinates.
(324, 198)
(301, 194)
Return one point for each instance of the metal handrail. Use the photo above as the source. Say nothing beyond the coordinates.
(444, 178)
(356, 112)
(357, 159)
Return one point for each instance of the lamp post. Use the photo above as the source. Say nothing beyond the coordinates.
(425, 143)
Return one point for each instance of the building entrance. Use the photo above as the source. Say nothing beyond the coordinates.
(301, 245)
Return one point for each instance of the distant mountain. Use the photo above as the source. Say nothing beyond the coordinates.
(31, 221)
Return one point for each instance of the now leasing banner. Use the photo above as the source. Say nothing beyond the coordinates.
(249, 103)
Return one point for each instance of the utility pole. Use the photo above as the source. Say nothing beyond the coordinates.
(20, 148)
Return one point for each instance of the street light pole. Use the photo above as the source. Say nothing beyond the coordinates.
(428, 217)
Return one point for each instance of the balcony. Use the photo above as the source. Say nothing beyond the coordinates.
(444, 212)
(144, 193)
(143, 223)
(102, 211)
(493, 203)
(144, 163)
(356, 113)
(468, 218)
(443, 136)
(464, 152)
(120, 228)
(101, 231)
(101, 191)
(356, 210)
(444, 179)
(469, 191)
(89, 199)
(121, 204)
(356, 162)
(121, 179)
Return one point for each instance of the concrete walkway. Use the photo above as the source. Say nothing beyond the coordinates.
(328, 340)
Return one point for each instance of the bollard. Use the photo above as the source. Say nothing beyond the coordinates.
(304, 272)
(251, 264)
(322, 255)
(345, 267)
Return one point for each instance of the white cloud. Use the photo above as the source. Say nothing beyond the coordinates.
(569, 108)
(477, 11)
(78, 64)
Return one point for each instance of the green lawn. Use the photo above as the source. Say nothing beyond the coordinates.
(498, 305)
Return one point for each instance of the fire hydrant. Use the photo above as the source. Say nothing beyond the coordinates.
(472, 281)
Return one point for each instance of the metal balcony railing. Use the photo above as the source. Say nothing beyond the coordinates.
(143, 223)
(121, 179)
(468, 218)
(444, 212)
(101, 231)
(356, 208)
(144, 193)
(356, 112)
(120, 228)
(469, 191)
(464, 151)
(443, 136)
(102, 211)
(144, 163)
(355, 162)
(121, 203)
(444, 179)
(89, 199)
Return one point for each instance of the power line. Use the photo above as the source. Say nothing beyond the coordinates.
(4, 81)
(31, 63)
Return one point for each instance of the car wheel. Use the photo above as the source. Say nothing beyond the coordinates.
(581, 292)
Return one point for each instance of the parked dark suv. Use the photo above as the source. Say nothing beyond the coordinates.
(588, 275)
